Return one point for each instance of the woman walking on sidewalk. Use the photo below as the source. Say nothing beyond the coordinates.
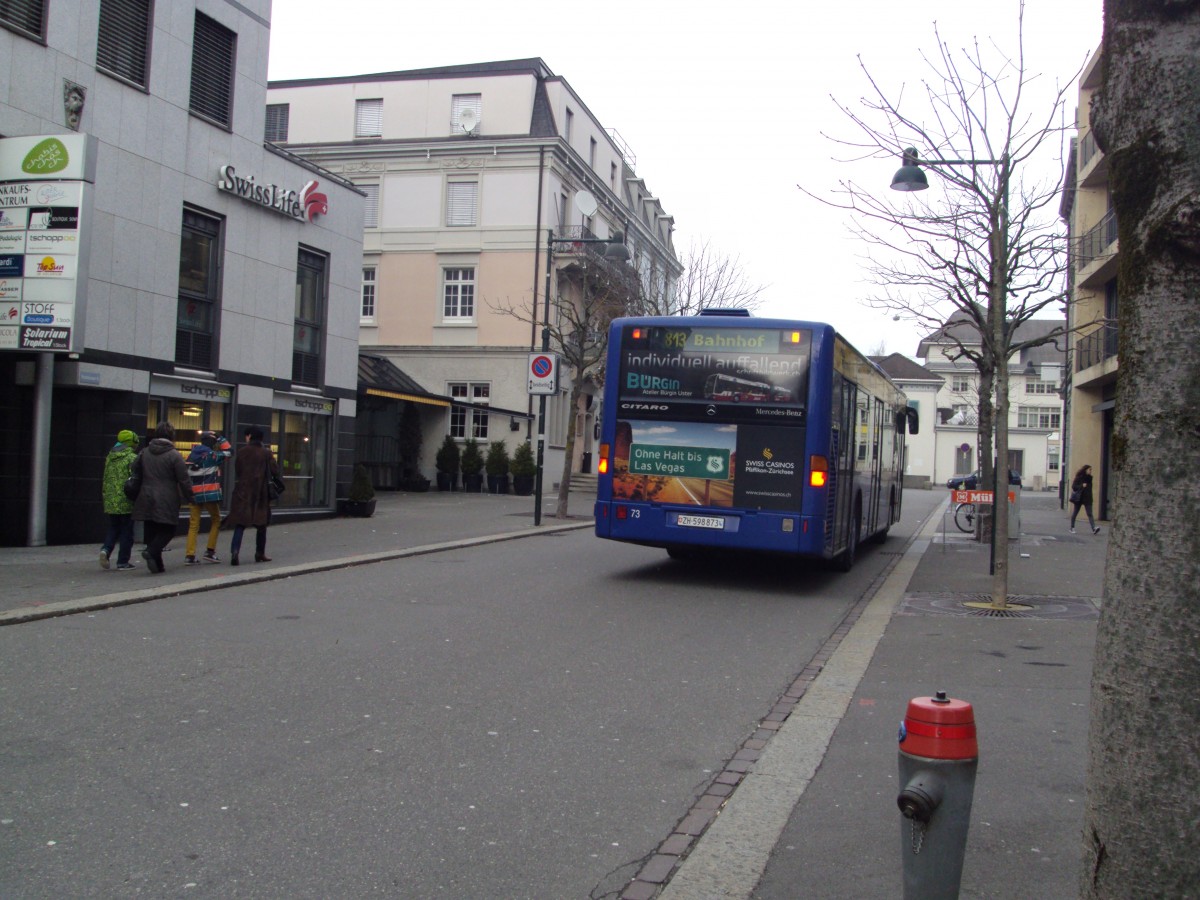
(165, 484)
(1081, 495)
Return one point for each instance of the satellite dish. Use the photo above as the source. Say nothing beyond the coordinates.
(468, 120)
(586, 203)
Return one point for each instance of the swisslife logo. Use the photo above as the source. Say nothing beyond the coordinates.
(314, 203)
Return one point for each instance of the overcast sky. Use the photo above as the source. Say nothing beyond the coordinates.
(724, 111)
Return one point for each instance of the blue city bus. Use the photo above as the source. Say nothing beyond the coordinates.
(727, 431)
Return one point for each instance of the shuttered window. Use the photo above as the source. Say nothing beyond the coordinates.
(123, 39)
(26, 16)
(371, 205)
(277, 122)
(368, 118)
(212, 70)
(463, 102)
(462, 202)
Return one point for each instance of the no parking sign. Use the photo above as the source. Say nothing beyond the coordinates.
(543, 373)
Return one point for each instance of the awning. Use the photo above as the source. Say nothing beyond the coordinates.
(378, 376)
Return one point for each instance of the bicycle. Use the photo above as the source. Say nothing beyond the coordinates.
(964, 517)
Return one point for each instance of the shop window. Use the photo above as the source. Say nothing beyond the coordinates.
(195, 322)
(300, 442)
(189, 418)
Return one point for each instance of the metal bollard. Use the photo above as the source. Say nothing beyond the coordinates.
(938, 758)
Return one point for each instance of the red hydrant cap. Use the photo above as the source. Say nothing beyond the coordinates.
(939, 728)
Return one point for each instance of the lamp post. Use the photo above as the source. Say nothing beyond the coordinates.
(910, 177)
(614, 249)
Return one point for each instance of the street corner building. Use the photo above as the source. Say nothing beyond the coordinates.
(160, 260)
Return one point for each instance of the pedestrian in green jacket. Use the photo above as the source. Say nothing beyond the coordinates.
(117, 506)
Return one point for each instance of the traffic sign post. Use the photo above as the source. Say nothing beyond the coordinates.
(543, 373)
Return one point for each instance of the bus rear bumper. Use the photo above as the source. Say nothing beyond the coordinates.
(659, 526)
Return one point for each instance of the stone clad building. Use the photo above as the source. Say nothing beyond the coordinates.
(208, 278)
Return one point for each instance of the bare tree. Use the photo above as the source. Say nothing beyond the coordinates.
(710, 278)
(1143, 776)
(589, 292)
(987, 250)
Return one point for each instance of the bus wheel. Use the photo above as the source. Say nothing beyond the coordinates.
(845, 562)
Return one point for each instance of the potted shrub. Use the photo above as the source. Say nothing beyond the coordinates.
(471, 464)
(409, 440)
(360, 500)
(447, 464)
(523, 469)
(497, 467)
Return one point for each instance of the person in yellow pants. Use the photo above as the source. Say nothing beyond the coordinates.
(204, 467)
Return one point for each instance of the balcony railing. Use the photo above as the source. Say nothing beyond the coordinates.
(1093, 349)
(1097, 241)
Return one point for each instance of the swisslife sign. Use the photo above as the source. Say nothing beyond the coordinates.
(303, 205)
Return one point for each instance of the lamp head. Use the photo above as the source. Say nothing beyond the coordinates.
(615, 249)
(910, 177)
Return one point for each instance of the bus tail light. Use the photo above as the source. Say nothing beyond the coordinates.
(818, 471)
(622, 512)
(602, 463)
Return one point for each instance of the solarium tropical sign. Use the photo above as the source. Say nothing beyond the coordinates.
(305, 204)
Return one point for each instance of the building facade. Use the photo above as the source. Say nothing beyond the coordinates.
(1035, 415)
(922, 388)
(214, 278)
(467, 170)
(1095, 301)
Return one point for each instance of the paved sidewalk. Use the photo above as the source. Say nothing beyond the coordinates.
(1026, 673)
(47, 581)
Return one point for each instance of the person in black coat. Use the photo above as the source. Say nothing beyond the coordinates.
(253, 467)
(165, 484)
(1081, 495)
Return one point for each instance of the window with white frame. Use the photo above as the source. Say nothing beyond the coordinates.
(462, 203)
(960, 384)
(464, 421)
(458, 294)
(368, 118)
(370, 205)
(1052, 463)
(1041, 387)
(468, 103)
(123, 39)
(1039, 417)
(368, 292)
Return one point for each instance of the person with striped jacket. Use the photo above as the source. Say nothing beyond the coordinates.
(204, 466)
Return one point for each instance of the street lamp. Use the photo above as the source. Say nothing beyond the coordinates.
(910, 177)
(615, 250)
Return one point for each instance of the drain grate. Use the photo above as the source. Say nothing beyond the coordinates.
(1021, 606)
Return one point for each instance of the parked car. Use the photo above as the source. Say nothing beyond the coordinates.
(971, 482)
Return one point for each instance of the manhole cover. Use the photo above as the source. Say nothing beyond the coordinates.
(1019, 606)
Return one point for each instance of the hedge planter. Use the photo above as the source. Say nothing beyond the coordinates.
(359, 509)
(497, 484)
(473, 484)
(447, 481)
(523, 485)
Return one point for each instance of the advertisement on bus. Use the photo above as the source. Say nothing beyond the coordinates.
(711, 416)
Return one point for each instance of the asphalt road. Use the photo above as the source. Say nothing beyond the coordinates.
(524, 719)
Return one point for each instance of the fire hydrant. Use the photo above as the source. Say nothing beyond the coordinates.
(938, 758)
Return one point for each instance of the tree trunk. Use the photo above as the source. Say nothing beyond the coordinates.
(564, 486)
(1143, 775)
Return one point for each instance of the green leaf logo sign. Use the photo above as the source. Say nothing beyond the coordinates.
(46, 157)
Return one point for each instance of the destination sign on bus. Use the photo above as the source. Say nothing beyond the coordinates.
(686, 372)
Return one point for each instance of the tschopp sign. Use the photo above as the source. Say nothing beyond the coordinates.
(307, 203)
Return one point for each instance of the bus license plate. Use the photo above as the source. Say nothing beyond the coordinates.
(701, 522)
